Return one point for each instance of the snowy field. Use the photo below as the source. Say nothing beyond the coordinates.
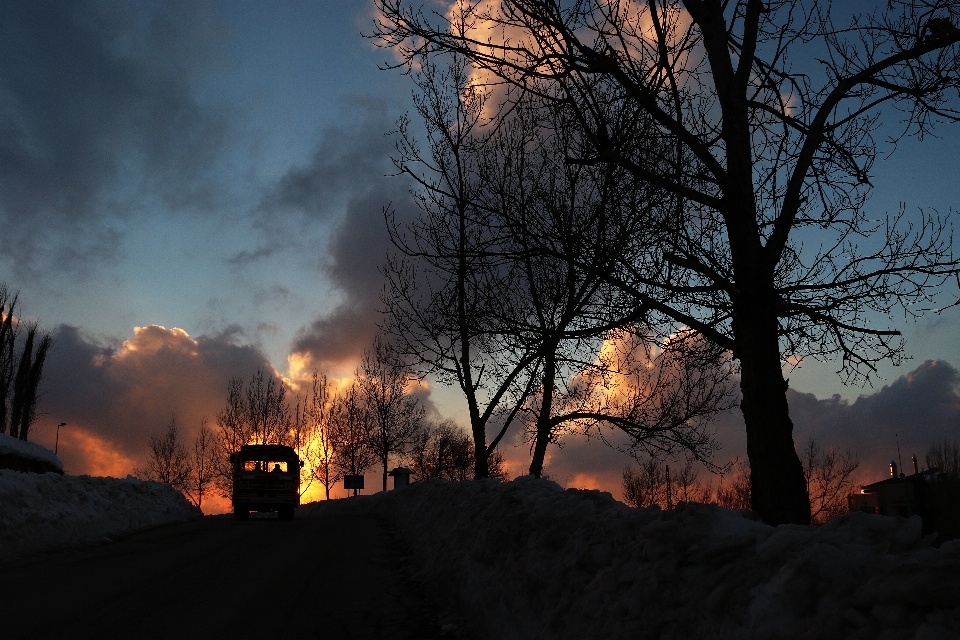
(40, 511)
(527, 559)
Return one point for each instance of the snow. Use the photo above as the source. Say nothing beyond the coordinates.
(528, 559)
(23, 449)
(40, 511)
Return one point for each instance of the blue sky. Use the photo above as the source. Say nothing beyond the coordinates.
(221, 167)
(260, 85)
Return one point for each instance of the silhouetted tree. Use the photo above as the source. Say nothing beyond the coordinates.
(258, 414)
(645, 486)
(442, 450)
(8, 335)
(168, 460)
(351, 430)
(685, 486)
(203, 465)
(498, 309)
(20, 372)
(828, 474)
(754, 123)
(395, 415)
(301, 432)
(323, 443)
(445, 294)
(944, 455)
(663, 397)
(738, 493)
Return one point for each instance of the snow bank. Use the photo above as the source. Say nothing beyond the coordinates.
(45, 510)
(21, 449)
(528, 559)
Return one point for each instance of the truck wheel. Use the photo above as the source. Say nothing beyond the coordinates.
(241, 514)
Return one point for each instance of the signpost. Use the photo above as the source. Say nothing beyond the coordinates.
(353, 482)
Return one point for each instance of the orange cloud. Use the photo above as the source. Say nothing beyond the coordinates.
(85, 452)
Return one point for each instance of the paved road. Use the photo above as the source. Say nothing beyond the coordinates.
(333, 577)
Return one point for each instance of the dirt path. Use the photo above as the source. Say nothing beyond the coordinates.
(333, 577)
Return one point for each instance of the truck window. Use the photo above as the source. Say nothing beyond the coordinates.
(264, 465)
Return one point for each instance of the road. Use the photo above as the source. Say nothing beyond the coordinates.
(333, 577)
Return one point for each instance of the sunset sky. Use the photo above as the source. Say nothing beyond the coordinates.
(193, 190)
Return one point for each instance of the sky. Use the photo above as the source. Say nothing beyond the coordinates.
(193, 190)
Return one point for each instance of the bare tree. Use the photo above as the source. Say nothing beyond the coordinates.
(500, 209)
(323, 444)
(258, 414)
(829, 479)
(446, 292)
(736, 495)
(441, 450)
(23, 407)
(168, 460)
(396, 415)
(203, 465)
(686, 488)
(8, 337)
(266, 412)
(944, 455)
(663, 397)
(351, 430)
(645, 486)
(301, 431)
(756, 121)
(21, 372)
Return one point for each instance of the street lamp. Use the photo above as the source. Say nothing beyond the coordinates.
(57, 444)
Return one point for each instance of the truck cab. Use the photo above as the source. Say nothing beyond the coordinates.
(266, 477)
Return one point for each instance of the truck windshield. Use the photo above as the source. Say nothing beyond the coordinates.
(278, 466)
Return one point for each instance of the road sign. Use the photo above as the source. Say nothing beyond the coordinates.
(353, 482)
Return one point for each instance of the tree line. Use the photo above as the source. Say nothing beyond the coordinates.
(613, 190)
(23, 352)
(374, 419)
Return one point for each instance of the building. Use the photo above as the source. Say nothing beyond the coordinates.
(930, 494)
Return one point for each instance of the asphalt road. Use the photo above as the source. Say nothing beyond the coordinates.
(332, 577)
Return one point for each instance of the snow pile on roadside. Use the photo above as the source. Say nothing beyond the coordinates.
(10, 446)
(527, 559)
(40, 511)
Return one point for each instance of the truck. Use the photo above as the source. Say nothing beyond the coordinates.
(266, 477)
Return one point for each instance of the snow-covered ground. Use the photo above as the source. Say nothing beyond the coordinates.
(40, 511)
(22, 449)
(527, 559)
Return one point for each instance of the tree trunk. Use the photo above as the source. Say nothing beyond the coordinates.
(544, 424)
(776, 476)
(384, 473)
(779, 490)
(478, 427)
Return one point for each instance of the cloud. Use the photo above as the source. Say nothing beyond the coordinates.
(347, 183)
(113, 397)
(917, 409)
(93, 95)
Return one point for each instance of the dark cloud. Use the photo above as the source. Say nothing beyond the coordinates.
(113, 397)
(357, 249)
(348, 182)
(95, 94)
(917, 408)
(351, 160)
